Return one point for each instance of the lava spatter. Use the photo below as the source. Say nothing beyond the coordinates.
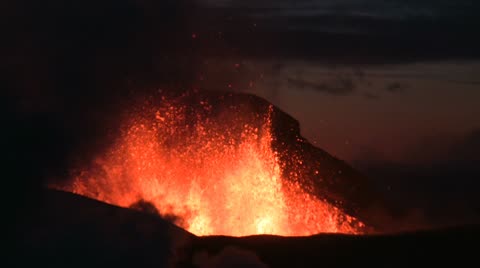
(216, 171)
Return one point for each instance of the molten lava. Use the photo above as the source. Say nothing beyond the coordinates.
(215, 171)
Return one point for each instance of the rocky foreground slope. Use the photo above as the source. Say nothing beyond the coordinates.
(73, 231)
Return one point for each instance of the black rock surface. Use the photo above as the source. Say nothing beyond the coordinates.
(73, 231)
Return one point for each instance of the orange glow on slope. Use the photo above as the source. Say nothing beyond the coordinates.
(218, 174)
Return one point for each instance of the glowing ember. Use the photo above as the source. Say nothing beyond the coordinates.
(216, 171)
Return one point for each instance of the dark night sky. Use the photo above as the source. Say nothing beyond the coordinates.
(390, 86)
(411, 71)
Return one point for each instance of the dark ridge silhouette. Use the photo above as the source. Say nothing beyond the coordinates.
(73, 231)
(426, 248)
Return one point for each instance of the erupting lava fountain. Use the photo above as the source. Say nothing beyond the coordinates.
(213, 168)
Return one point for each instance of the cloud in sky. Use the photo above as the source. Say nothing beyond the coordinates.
(371, 96)
(340, 87)
(395, 87)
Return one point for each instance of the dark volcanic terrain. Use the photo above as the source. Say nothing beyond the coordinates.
(73, 231)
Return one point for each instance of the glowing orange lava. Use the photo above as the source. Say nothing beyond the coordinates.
(215, 171)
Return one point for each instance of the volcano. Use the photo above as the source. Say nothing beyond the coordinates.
(220, 163)
(210, 179)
